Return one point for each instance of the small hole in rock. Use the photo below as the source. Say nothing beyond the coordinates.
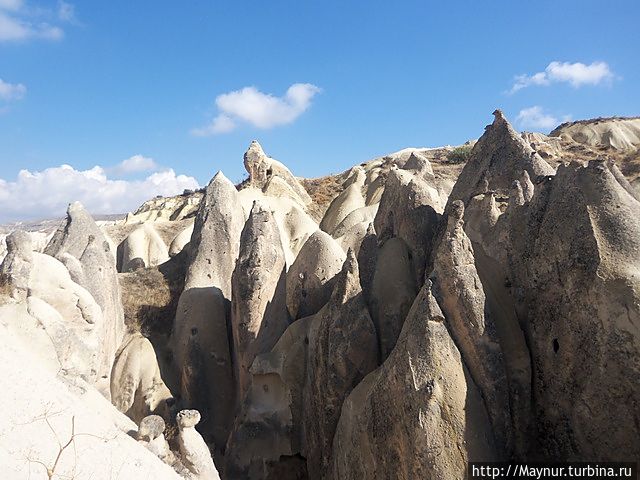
(556, 345)
(194, 331)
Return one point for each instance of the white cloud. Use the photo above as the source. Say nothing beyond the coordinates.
(137, 163)
(46, 193)
(11, 91)
(536, 118)
(18, 22)
(264, 111)
(575, 74)
(220, 124)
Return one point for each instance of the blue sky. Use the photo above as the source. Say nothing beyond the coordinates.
(89, 84)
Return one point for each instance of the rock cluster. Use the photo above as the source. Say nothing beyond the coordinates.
(423, 322)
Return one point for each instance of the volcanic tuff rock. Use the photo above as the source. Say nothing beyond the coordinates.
(401, 340)
(617, 133)
(144, 244)
(575, 272)
(82, 239)
(497, 159)
(263, 169)
(342, 350)
(410, 209)
(137, 388)
(52, 310)
(392, 292)
(259, 311)
(200, 342)
(461, 296)
(310, 279)
(420, 414)
(193, 449)
(350, 199)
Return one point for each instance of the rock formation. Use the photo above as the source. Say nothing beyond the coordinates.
(259, 311)
(83, 240)
(349, 200)
(137, 389)
(393, 290)
(144, 244)
(497, 160)
(460, 293)
(200, 341)
(52, 310)
(409, 209)
(193, 450)
(575, 273)
(310, 278)
(420, 414)
(379, 323)
(342, 350)
(262, 170)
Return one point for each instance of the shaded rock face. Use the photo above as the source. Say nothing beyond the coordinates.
(420, 414)
(268, 436)
(342, 350)
(259, 315)
(81, 239)
(574, 266)
(392, 293)
(262, 170)
(409, 209)
(200, 338)
(290, 413)
(498, 157)
(310, 279)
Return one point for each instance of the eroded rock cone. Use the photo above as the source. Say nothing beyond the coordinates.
(137, 388)
(497, 159)
(342, 350)
(194, 453)
(576, 274)
(410, 209)
(347, 201)
(82, 239)
(420, 414)
(145, 244)
(310, 279)
(262, 170)
(259, 315)
(460, 293)
(392, 293)
(200, 339)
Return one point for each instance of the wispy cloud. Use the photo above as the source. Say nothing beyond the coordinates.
(575, 74)
(66, 11)
(12, 5)
(46, 193)
(536, 118)
(250, 105)
(136, 163)
(11, 91)
(19, 22)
